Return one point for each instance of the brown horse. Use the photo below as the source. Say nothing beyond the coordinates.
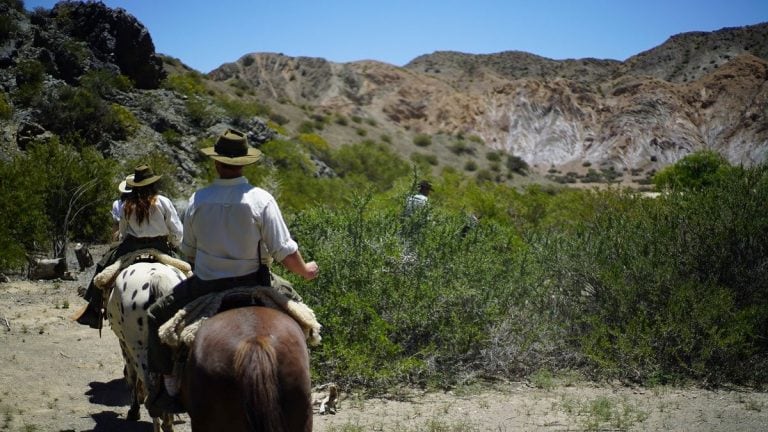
(248, 370)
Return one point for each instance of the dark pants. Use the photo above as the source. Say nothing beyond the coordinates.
(160, 356)
(94, 295)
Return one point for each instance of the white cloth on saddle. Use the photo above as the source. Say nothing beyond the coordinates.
(107, 277)
(183, 326)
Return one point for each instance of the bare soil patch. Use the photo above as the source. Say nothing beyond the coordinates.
(59, 376)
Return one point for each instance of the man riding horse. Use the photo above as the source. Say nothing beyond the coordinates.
(231, 228)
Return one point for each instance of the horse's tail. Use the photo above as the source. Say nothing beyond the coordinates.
(256, 370)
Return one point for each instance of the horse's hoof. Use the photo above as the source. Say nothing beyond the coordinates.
(134, 414)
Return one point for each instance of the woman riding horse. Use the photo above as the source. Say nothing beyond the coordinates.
(148, 220)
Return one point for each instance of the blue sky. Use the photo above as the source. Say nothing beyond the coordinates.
(207, 33)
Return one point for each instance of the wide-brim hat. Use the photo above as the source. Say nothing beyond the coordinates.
(232, 149)
(142, 176)
(123, 186)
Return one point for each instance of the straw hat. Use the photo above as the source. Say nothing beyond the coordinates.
(232, 149)
(142, 176)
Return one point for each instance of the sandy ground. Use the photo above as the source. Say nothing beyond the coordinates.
(56, 375)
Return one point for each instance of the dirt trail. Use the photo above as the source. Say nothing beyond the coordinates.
(56, 375)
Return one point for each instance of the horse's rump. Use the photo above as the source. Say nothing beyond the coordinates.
(135, 289)
(248, 370)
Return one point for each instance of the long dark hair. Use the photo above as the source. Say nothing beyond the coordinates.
(140, 201)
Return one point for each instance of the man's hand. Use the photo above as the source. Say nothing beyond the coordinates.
(295, 263)
(311, 270)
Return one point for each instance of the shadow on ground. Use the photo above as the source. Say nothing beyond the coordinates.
(114, 393)
(110, 421)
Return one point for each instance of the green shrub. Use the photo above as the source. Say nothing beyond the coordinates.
(695, 171)
(29, 79)
(242, 111)
(607, 282)
(279, 118)
(670, 288)
(73, 111)
(8, 26)
(461, 147)
(41, 211)
(6, 110)
(493, 156)
(484, 175)
(288, 156)
(422, 140)
(105, 83)
(375, 162)
(306, 127)
(476, 139)
(470, 165)
(198, 111)
(188, 84)
(424, 159)
(171, 137)
(408, 298)
(126, 124)
(316, 145)
(517, 165)
(341, 120)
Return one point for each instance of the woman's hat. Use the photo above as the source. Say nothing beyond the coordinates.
(232, 149)
(123, 186)
(142, 176)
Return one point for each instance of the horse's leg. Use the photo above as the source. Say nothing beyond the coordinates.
(167, 422)
(131, 378)
(134, 413)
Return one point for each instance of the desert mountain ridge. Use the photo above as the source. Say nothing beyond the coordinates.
(698, 90)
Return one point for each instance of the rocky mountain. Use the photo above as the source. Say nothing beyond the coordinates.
(90, 75)
(701, 90)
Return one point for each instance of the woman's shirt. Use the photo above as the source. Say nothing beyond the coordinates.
(163, 221)
(117, 210)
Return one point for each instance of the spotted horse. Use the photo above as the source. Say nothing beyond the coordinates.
(136, 281)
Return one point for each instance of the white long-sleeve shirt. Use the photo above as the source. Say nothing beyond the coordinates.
(117, 210)
(163, 221)
(224, 224)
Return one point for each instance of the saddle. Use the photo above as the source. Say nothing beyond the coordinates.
(106, 278)
(180, 330)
